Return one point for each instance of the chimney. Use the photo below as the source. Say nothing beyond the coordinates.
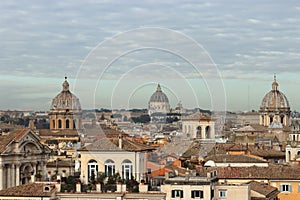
(143, 187)
(98, 187)
(120, 141)
(78, 187)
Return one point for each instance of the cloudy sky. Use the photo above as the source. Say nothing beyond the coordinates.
(209, 54)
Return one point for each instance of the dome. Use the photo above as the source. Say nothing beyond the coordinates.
(65, 99)
(275, 99)
(159, 96)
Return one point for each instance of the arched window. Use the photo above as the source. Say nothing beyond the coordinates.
(59, 123)
(109, 167)
(199, 130)
(67, 123)
(74, 124)
(127, 169)
(92, 170)
(271, 119)
(53, 123)
(281, 119)
(207, 132)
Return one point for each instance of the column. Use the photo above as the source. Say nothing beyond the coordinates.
(8, 177)
(203, 136)
(1, 177)
(34, 168)
(13, 173)
(44, 169)
(17, 174)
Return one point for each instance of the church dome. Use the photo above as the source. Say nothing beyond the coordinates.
(65, 99)
(159, 96)
(275, 99)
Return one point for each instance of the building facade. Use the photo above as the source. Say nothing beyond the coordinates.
(114, 155)
(22, 156)
(199, 126)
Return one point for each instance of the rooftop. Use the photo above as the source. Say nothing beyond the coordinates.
(29, 190)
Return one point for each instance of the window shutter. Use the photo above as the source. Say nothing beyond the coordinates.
(173, 193)
(193, 194)
(281, 188)
(290, 188)
(298, 188)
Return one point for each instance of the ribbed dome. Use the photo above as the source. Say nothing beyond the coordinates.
(65, 99)
(275, 99)
(159, 96)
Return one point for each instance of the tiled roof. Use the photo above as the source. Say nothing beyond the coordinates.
(14, 133)
(61, 163)
(198, 116)
(228, 158)
(58, 133)
(264, 189)
(273, 172)
(112, 144)
(264, 153)
(198, 150)
(29, 190)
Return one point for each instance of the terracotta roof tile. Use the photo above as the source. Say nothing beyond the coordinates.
(112, 144)
(29, 190)
(228, 158)
(273, 172)
(58, 133)
(13, 134)
(263, 188)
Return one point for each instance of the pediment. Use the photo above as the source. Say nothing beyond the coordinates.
(26, 143)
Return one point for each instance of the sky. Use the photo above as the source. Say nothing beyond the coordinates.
(217, 55)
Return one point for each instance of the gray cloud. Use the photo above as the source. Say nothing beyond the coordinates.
(245, 39)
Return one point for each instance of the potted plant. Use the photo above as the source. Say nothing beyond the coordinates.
(38, 176)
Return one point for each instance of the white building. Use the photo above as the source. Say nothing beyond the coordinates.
(114, 155)
(199, 126)
(159, 102)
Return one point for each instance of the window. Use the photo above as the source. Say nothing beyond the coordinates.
(285, 188)
(59, 123)
(109, 168)
(92, 169)
(222, 193)
(127, 169)
(177, 193)
(197, 194)
(67, 123)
